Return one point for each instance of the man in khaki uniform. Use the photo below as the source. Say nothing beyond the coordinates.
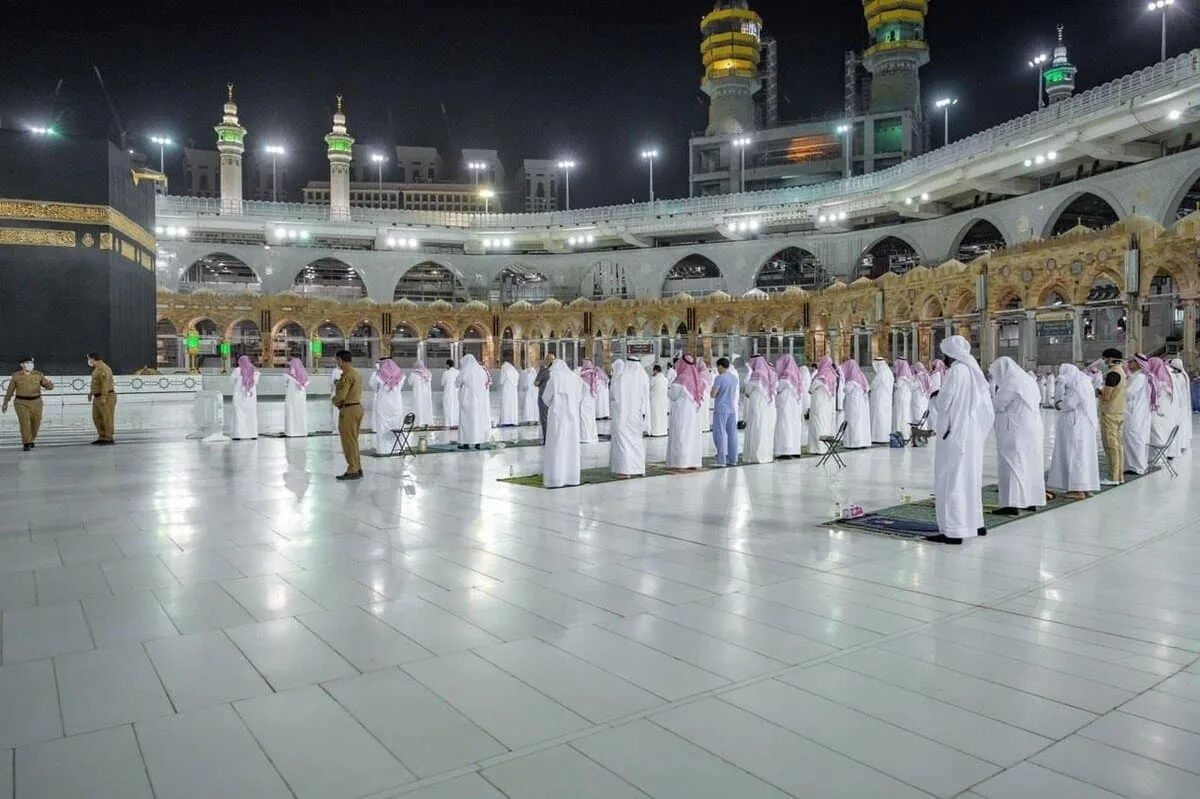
(27, 385)
(347, 398)
(1112, 416)
(103, 396)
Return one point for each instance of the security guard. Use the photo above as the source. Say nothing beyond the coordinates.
(27, 384)
(1112, 402)
(347, 398)
(103, 396)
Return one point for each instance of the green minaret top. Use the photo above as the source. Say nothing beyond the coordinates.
(340, 143)
(231, 136)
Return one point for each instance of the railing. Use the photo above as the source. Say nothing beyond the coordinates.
(1016, 132)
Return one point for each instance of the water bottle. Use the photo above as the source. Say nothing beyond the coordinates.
(837, 509)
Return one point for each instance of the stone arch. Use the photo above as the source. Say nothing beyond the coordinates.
(1186, 191)
(331, 278)
(1010, 299)
(791, 266)
(978, 237)
(222, 273)
(245, 338)
(694, 274)
(517, 282)
(1094, 209)
(962, 304)
(605, 279)
(364, 342)
(889, 253)
(288, 340)
(168, 350)
(430, 281)
(1055, 294)
(932, 308)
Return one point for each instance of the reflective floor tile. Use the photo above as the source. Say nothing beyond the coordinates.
(747, 633)
(28, 704)
(362, 639)
(17, 590)
(439, 631)
(105, 763)
(703, 651)
(551, 605)
(137, 574)
(107, 687)
(127, 618)
(288, 654)
(1150, 739)
(70, 582)
(269, 597)
(203, 670)
(205, 754)
(24, 556)
(503, 620)
(1118, 771)
(89, 549)
(331, 589)
(199, 566)
(197, 608)
(471, 786)
(44, 631)
(559, 772)
(1025, 780)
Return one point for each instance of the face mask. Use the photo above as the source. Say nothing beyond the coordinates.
(27, 366)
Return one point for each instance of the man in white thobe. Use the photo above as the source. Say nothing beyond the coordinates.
(1075, 461)
(1136, 435)
(964, 416)
(630, 389)
(529, 396)
(1183, 404)
(1019, 436)
(656, 425)
(509, 380)
(882, 385)
(475, 412)
(560, 455)
(450, 396)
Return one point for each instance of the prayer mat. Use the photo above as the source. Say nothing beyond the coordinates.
(440, 447)
(316, 434)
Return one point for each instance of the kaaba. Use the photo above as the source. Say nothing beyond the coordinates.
(77, 254)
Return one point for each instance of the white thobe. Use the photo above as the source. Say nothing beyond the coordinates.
(958, 457)
(920, 402)
(659, 405)
(902, 405)
(450, 410)
(789, 421)
(759, 444)
(858, 417)
(422, 392)
(475, 416)
(684, 444)
(1044, 385)
(630, 404)
(706, 412)
(1162, 420)
(588, 433)
(295, 408)
(1020, 436)
(882, 385)
(509, 405)
(560, 455)
(245, 408)
(1056, 388)
(1137, 424)
(529, 396)
(387, 412)
(603, 400)
(822, 416)
(1075, 461)
(1183, 412)
(670, 374)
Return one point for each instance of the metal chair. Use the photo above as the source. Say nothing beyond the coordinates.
(1158, 453)
(920, 434)
(401, 445)
(833, 446)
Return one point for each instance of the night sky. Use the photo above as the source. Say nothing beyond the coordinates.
(535, 79)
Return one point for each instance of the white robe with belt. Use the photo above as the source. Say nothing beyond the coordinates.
(560, 455)
(789, 421)
(588, 434)
(1137, 424)
(920, 402)
(422, 392)
(902, 405)
(759, 445)
(964, 415)
(245, 408)
(603, 400)
(295, 408)
(509, 405)
(822, 416)
(1020, 437)
(630, 405)
(659, 406)
(475, 413)
(1183, 412)
(450, 410)
(1075, 461)
(684, 444)
(529, 396)
(882, 386)
(387, 412)
(858, 417)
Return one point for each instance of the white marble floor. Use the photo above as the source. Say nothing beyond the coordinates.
(189, 620)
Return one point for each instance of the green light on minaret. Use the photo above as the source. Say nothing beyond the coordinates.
(1056, 75)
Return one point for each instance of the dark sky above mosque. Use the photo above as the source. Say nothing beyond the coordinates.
(537, 78)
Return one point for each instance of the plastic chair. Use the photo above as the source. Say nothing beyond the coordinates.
(833, 446)
(1158, 453)
(401, 445)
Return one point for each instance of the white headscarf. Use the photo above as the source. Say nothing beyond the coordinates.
(1008, 378)
(959, 349)
(1076, 381)
(469, 365)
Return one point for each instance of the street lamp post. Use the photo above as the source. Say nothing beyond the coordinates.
(742, 142)
(161, 141)
(650, 155)
(847, 130)
(566, 166)
(945, 104)
(476, 167)
(1161, 5)
(1036, 62)
(274, 150)
(379, 161)
(487, 195)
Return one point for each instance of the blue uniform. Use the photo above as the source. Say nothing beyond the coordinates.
(725, 418)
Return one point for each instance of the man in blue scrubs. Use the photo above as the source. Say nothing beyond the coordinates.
(724, 393)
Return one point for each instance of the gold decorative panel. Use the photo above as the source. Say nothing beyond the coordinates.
(33, 211)
(36, 237)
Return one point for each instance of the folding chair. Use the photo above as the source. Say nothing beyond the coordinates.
(833, 445)
(401, 445)
(920, 434)
(1158, 454)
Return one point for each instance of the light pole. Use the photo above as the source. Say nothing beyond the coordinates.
(274, 150)
(945, 104)
(476, 167)
(161, 141)
(1036, 62)
(742, 142)
(847, 130)
(487, 195)
(1161, 5)
(379, 161)
(566, 166)
(650, 155)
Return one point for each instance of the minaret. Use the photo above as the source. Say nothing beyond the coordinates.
(731, 51)
(231, 138)
(897, 52)
(1059, 77)
(340, 145)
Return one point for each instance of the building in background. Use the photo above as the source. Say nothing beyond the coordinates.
(201, 173)
(261, 184)
(448, 197)
(412, 165)
(538, 181)
(481, 166)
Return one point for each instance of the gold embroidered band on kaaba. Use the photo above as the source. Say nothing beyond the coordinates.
(121, 234)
